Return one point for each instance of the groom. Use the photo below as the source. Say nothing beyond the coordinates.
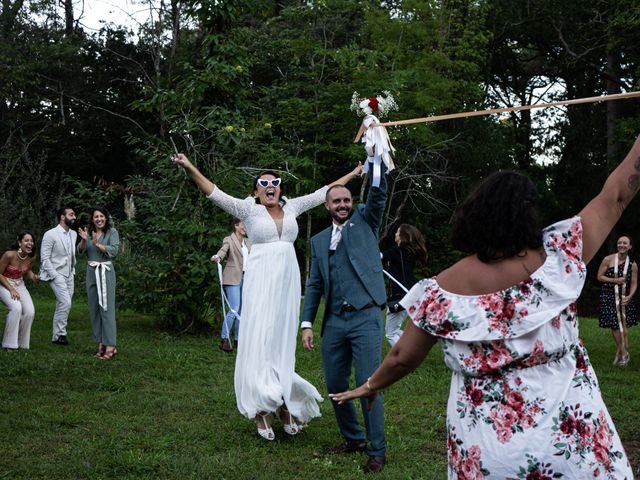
(347, 270)
(57, 267)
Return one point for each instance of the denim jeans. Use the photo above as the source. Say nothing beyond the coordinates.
(234, 295)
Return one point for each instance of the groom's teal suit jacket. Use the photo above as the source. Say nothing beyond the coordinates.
(360, 239)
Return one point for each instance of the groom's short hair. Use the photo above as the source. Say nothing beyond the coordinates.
(326, 197)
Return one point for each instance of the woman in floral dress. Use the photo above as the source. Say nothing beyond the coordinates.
(524, 400)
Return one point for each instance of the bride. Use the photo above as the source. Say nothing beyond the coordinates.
(265, 380)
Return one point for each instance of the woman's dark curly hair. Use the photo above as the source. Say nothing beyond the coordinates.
(107, 222)
(499, 219)
(282, 185)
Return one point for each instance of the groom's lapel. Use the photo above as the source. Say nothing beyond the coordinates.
(63, 240)
(324, 240)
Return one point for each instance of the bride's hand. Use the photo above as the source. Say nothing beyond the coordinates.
(358, 171)
(181, 160)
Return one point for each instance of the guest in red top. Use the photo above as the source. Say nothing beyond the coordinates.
(15, 263)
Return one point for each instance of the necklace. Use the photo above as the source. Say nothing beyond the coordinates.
(19, 256)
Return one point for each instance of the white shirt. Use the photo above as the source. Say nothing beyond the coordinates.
(336, 236)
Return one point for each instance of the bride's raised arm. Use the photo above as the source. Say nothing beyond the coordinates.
(205, 185)
(233, 206)
(312, 200)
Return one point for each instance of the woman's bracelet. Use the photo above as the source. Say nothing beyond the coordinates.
(369, 386)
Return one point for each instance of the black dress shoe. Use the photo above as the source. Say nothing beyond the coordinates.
(235, 344)
(346, 447)
(374, 464)
(225, 346)
(61, 340)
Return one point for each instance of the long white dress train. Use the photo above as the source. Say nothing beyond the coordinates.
(265, 375)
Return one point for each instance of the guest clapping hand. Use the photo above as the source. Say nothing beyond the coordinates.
(15, 263)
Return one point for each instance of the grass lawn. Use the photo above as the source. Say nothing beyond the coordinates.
(165, 408)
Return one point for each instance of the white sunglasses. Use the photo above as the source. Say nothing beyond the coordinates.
(263, 182)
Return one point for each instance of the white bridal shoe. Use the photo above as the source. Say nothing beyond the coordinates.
(288, 422)
(267, 431)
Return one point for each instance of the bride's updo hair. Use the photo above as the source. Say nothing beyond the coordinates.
(499, 219)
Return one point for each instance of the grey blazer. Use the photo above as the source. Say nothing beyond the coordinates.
(57, 257)
(232, 249)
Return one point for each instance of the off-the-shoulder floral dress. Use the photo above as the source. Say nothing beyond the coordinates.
(524, 399)
(265, 376)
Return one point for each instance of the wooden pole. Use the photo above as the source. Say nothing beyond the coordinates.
(478, 113)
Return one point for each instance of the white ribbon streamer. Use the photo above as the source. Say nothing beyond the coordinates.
(395, 280)
(100, 270)
(378, 146)
(619, 291)
(225, 303)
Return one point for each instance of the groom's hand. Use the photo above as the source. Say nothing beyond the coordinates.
(307, 338)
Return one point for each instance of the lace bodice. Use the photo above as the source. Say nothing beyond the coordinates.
(259, 225)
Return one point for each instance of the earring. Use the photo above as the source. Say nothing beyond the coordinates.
(19, 249)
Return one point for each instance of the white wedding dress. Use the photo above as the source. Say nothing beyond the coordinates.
(265, 362)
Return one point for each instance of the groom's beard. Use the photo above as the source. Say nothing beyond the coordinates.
(70, 223)
(338, 219)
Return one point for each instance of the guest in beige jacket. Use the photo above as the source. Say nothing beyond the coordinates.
(236, 248)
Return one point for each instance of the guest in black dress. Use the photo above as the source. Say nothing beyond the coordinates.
(399, 260)
(618, 311)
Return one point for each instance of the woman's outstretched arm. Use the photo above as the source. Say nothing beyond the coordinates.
(205, 185)
(604, 211)
(402, 359)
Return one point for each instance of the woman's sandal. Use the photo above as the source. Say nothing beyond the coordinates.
(109, 354)
(288, 421)
(624, 360)
(101, 350)
(267, 431)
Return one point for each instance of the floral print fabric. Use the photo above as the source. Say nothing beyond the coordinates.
(524, 400)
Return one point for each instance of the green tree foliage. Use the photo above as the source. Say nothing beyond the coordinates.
(244, 85)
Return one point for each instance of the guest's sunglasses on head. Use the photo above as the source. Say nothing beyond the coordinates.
(263, 182)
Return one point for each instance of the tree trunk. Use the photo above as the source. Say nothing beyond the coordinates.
(68, 17)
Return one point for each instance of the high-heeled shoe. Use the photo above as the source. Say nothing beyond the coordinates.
(267, 431)
(109, 354)
(288, 422)
(101, 350)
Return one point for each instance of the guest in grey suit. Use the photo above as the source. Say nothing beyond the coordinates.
(57, 268)
(346, 269)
